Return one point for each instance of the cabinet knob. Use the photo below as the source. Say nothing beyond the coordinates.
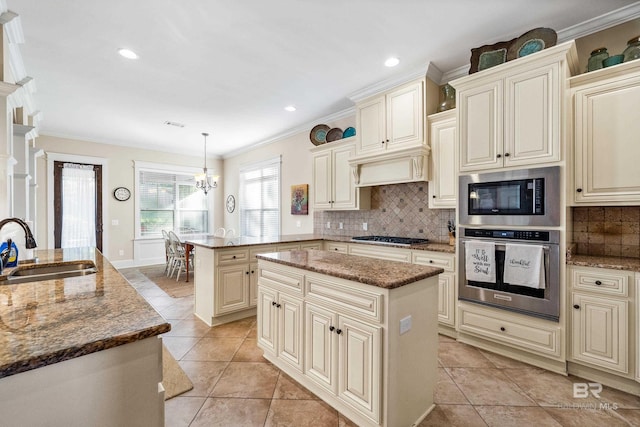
(246, 272)
(576, 306)
(278, 305)
(434, 196)
(252, 272)
(598, 282)
(430, 261)
(332, 328)
(234, 257)
(273, 303)
(498, 156)
(338, 331)
(506, 154)
(381, 142)
(502, 328)
(579, 190)
(335, 249)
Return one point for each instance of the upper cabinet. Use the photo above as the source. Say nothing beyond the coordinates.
(606, 131)
(333, 182)
(392, 120)
(443, 171)
(511, 115)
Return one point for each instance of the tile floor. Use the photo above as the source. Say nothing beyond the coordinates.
(235, 386)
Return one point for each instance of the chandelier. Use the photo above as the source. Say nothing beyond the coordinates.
(203, 180)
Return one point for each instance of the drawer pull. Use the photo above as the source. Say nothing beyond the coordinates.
(234, 257)
(579, 190)
(430, 261)
(598, 282)
(576, 306)
(502, 328)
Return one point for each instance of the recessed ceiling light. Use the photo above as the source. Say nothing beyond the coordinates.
(128, 53)
(290, 108)
(392, 62)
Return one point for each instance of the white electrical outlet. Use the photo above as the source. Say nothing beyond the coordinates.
(298, 224)
(405, 325)
(115, 222)
(340, 226)
(328, 224)
(121, 252)
(365, 226)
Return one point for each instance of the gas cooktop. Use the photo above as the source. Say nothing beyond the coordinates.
(390, 240)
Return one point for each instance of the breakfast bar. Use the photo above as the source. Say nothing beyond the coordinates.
(360, 333)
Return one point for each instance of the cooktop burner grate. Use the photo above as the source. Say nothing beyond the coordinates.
(390, 240)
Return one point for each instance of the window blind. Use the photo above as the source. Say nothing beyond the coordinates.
(260, 199)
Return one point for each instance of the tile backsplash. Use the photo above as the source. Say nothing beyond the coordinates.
(607, 230)
(396, 210)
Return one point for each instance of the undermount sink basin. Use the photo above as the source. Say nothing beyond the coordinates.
(37, 272)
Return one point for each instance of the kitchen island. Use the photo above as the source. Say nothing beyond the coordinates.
(360, 333)
(225, 273)
(79, 351)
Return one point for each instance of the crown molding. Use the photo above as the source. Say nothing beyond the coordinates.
(351, 111)
(391, 82)
(600, 23)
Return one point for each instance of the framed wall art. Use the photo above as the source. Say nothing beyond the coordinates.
(300, 199)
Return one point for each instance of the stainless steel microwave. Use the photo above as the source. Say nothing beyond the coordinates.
(516, 197)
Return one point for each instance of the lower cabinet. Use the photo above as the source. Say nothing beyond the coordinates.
(232, 292)
(601, 314)
(447, 289)
(343, 356)
(341, 340)
(280, 326)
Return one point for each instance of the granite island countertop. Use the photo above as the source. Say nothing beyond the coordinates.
(375, 272)
(50, 321)
(219, 242)
(611, 262)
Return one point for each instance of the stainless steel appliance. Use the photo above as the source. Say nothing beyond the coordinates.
(543, 303)
(528, 197)
(390, 240)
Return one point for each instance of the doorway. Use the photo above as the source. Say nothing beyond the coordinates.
(77, 203)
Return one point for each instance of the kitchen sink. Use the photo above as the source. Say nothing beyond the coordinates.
(37, 272)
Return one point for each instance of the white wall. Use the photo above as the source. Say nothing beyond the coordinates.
(119, 172)
(296, 169)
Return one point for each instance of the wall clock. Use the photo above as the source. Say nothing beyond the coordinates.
(231, 203)
(121, 194)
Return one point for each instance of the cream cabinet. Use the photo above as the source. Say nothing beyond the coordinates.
(392, 120)
(511, 115)
(444, 166)
(333, 182)
(447, 289)
(340, 247)
(380, 252)
(343, 355)
(600, 318)
(637, 327)
(348, 349)
(606, 129)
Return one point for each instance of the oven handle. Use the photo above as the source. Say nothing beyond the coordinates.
(504, 247)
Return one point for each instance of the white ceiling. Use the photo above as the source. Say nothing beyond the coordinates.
(230, 67)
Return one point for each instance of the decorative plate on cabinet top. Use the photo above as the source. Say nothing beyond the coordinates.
(350, 131)
(318, 134)
(531, 42)
(334, 134)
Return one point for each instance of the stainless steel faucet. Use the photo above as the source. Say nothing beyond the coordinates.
(29, 241)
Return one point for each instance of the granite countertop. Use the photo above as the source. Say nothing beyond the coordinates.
(612, 262)
(49, 321)
(375, 272)
(219, 242)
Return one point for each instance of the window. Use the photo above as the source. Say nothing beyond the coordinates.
(260, 199)
(169, 200)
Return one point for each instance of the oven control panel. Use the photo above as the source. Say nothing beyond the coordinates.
(533, 235)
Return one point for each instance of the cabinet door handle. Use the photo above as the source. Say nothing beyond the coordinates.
(273, 303)
(576, 306)
(338, 331)
(332, 328)
(598, 282)
(498, 156)
(278, 305)
(502, 328)
(579, 190)
(506, 154)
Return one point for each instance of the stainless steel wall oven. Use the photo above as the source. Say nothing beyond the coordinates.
(542, 302)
